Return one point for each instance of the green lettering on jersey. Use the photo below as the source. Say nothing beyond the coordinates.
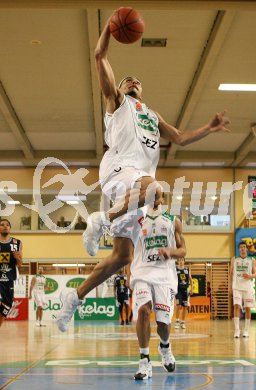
(168, 216)
(241, 268)
(156, 242)
(147, 123)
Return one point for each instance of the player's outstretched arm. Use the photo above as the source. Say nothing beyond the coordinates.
(231, 275)
(32, 285)
(170, 133)
(107, 81)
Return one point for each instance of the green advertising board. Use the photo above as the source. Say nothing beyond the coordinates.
(97, 309)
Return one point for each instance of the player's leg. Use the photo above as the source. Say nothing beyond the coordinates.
(178, 308)
(164, 296)
(6, 300)
(126, 304)
(184, 304)
(38, 315)
(122, 254)
(121, 307)
(1, 316)
(237, 301)
(146, 191)
(141, 190)
(39, 304)
(142, 307)
(248, 305)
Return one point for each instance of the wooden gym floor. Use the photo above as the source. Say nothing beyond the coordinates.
(102, 355)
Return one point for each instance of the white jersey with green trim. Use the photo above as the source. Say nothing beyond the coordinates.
(40, 283)
(132, 136)
(242, 266)
(157, 232)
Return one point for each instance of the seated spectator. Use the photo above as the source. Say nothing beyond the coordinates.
(80, 225)
(205, 221)
(62, 222)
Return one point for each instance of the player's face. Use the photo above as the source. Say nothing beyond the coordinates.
(40, 270)
(181, 263)
(5, 228)
(158, 202)
(132, 87)
(243, 250)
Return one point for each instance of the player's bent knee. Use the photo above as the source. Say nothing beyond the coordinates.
(144, 312)
(153, 192)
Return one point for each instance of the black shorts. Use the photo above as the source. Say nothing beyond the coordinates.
(182, 297)
(6, 297)
(123, 298)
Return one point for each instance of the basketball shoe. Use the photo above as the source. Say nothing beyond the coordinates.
(177, 324)
(183, 325)
(70, 302)
(168, 360)
(144, 371)
(245, 333)
(237, 334)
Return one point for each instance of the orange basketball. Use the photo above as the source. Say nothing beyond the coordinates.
(126, 25)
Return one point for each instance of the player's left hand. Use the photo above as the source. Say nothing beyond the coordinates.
(164, 252)
(219, 122)
(247, 276)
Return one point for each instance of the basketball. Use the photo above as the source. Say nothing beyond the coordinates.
(126, 25)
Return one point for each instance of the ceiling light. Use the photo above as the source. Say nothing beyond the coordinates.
(179, 197)
(214, 197)
(251, 164)
(238, 87)
(13, 202)
(153, 42)
(70, 198)
(68, 265)
(72, 202)
(11, 163)
(35, 42)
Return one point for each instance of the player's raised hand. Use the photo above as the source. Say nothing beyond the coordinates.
(219, 122)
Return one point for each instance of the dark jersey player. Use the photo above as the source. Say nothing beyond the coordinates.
(122, 295)
(182, 296)
(10, 259)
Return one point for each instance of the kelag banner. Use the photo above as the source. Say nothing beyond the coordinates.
(54, 285)
(97, 309)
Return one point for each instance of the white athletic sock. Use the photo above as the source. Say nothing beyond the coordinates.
(236, 323)
(144, 351)
(247, 324)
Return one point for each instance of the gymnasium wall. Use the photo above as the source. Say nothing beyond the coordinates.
(45, 245)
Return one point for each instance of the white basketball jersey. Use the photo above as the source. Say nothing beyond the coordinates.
(157, 232)
(132, 136)
(40, 283)
(242, 266)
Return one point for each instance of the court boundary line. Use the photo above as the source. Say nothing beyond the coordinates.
(24, 370)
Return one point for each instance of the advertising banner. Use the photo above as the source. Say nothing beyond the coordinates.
(248, 236)
(199, 308)
(20, 287)
(54, 285)
(97, 309)
(19, 310)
